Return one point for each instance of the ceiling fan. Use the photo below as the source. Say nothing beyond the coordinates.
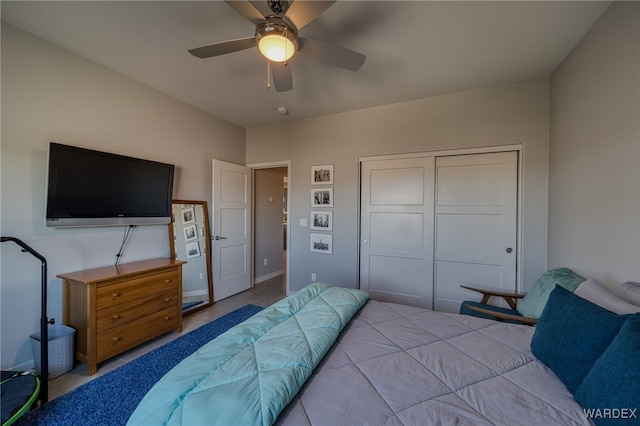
(277, 38)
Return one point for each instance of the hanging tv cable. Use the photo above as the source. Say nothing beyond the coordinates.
(127, 233)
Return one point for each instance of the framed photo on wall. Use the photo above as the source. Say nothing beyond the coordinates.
(322, 197)
(322, 175)
(321, 243)
(321, 220)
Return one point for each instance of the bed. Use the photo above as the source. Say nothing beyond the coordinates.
(329, 356)
(401, 365)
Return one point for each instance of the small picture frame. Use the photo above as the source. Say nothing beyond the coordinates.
(188, 215)
(190, 232)
(321, 243)
(192, 249)
(322, 197)
(321, 220)
(322, 175)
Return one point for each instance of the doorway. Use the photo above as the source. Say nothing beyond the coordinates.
(270, 224)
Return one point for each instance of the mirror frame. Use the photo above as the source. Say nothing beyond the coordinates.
(207, 242)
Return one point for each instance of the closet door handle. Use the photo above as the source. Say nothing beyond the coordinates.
(218, 237)
(509, 249)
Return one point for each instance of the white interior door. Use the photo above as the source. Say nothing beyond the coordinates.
(396, 249)
(476, 226)
(231, 229)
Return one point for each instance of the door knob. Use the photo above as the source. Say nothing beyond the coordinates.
(509, 249)
(218, 237)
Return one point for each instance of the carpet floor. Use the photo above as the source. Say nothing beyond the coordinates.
(109, 400)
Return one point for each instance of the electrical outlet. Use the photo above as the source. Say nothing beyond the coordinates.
(265, 261)
(313, 276)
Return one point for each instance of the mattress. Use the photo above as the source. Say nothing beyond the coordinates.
(396, 364)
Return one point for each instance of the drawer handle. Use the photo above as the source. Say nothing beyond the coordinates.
(116, 316)
(167, 318)
(167, 299)
(116, 339)
(114, 295)
(168, 281)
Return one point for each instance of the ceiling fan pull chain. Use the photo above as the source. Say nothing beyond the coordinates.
(285, 45)
(268, 74)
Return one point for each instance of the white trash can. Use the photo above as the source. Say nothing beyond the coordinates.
(61, 340)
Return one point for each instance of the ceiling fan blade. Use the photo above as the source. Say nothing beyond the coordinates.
(331, 54)
(282, 78)
(248, 10)
(224, 47)
(300, 13)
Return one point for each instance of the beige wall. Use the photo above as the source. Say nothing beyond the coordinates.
(509, 114)
(49, 94)
(594, 195)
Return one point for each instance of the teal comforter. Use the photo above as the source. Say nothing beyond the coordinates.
(247, 375)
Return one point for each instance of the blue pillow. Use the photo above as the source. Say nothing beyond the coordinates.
(614, 381)
(571, 335)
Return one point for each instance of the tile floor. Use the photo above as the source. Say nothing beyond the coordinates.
(263, 294)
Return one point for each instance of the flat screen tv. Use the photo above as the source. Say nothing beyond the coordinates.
(94, 188)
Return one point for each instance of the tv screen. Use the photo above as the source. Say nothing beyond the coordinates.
(94, 188)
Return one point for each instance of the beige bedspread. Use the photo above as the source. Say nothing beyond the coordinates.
(400, 365)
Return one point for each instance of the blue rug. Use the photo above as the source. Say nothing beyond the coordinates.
(109, 400)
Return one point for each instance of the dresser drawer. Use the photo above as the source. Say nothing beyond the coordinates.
(126, 336)
(146, 285)
(130, 311)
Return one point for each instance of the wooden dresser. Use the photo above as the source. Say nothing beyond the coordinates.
(116, 308)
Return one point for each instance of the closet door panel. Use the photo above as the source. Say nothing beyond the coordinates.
(475, 226)
(396, 247)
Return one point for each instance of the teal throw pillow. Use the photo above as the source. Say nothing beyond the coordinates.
(610, 392)
(571, 334)
(533, 303)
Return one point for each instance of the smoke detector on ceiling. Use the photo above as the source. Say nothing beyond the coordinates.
(283, 110)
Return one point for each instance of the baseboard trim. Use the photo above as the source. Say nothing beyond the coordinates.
(258, 280)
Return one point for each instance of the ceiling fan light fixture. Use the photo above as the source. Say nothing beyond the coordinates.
(277, 41)
(276, 48)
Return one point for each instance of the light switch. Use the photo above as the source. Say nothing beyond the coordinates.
(303, 221)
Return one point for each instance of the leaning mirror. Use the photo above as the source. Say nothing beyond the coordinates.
(189, 240)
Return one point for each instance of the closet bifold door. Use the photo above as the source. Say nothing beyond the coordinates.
(396, 234)
(475, 226)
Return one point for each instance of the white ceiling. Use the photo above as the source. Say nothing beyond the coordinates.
(414, 49)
